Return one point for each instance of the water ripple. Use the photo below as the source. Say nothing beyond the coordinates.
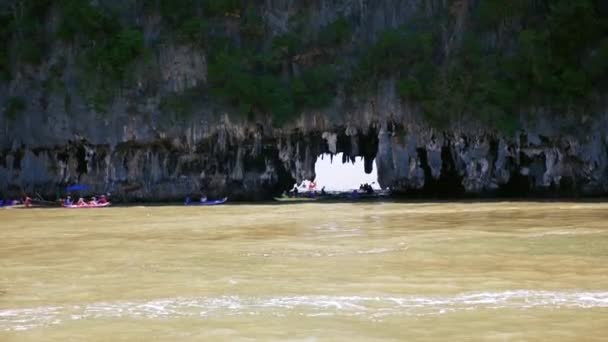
(565, 232)
(310, 306)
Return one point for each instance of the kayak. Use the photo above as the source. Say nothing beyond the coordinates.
(8, 203)
(296, 199)
(16, 206)
(86, 206)
(344, 196)
(214, 202)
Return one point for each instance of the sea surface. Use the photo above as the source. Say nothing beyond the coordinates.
(504, 271)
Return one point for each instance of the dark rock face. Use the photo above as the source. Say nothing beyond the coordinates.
(245, 166)
(253, 162)
(144, 157)
(137, 151)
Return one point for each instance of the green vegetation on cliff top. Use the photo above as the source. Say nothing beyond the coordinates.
(488, 62)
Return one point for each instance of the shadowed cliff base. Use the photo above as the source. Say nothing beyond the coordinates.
(254, 163)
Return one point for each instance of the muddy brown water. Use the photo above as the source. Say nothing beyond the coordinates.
(306, 272)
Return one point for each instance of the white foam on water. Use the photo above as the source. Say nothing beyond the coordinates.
(383, 250)
(375, 251)
(372, 308)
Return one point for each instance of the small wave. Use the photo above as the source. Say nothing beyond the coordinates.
(335, 231)
(375, 251)
(383, 250)
(325, 253)
(310, 306)
(564, 232)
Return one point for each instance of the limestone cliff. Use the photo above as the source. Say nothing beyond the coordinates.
(140, 147)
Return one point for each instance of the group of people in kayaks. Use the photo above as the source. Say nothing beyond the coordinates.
(312, 193)
(28, 202)
(366, 188)
(94, 202)
(204, 201)
(102, 200)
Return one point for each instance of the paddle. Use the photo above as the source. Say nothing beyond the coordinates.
(41, 200)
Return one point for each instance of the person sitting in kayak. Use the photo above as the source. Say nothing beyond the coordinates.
(312, 186)
(323, 193)
(27, 201)
(81, 202)
(203, 199)
(102, 199)
(93, 201)
(68, 201)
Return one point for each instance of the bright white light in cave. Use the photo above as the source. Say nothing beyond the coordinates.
(335, 176)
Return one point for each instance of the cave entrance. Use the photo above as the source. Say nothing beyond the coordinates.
(338, 176)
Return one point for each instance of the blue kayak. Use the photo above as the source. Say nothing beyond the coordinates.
(8, 203)
(214, 202)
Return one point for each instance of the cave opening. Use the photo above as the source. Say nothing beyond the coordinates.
(81, 160)
(447, 185)
(520, 183)
(518, 186)
(341, 173)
